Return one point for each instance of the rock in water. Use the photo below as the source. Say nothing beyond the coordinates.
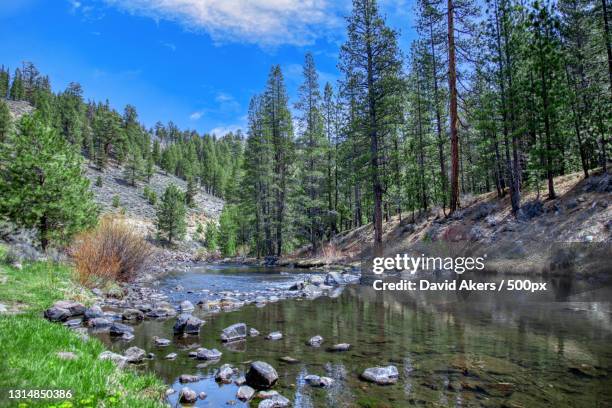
(315, 341)
(381, 375)
(234, 332)
(317, 280)
(135, 355)
(245, 393)
(186, 323)
(334, 279)
(119, 329)
(206, 354)
(188, 396)
(316, 381)
(261, 375)
(253, 332)
(277, 401)
(186, 306)
(171, 356)
(99, 323)
(188, 378)
(274, 336)
(224, 373)
(132, 314)
(161, 342)
(93, 312)
(289, 360)
(340, 347)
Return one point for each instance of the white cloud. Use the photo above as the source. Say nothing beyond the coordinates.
(263, 22)
(220, 131)
(195, 115)
(168, 45)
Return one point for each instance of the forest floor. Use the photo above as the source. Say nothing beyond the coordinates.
(579, 217)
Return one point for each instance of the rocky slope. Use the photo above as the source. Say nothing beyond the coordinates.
(548, 234)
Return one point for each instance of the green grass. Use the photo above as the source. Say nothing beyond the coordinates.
(29, 343)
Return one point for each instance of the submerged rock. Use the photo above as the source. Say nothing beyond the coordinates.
(186, 306)
(234, 332)
(93, 312)
(161, 342)
(132, 314)
(316, 381)
(188, 378)
(381, 375)
(274, 336)
(315, 341)
(188, 396)
(277, 401)
(261, 375)
(289, 360)
(99, 323)
(171, 356)
(119, 329)
(245, 393)
(340, 347)
(253, 332)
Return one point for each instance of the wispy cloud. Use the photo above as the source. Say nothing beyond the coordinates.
(224, 130)
(195, 115)
(168, 45)
(263, 22)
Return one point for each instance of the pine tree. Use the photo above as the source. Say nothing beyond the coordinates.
(171, 213)
(4, 82)
(43, 184)
(5, 121)
(17, 92)
(134, 169)
(227, 231)
(191, 192)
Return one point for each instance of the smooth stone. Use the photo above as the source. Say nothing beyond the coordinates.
(186, 323)
(171, 356)
(57, 314)
(161, 342)
(340, 347)
(381, 375)
(202, 395)
(234, 332)
(245, 393)
(277, 401)
(93, 312)
(99, 322)
(73, 323)
(267, 394)
(74, 308)
(315, 341)
(274, 336)
(289, 360)
(134, 355)
(206, 354)
(316, 381)
(240, 381)
(261, 375)
(188, 396)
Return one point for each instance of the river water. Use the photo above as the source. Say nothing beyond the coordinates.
(451, 350)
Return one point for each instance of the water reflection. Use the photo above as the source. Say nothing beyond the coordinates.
(450, 350)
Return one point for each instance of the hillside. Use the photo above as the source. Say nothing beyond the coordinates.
(135, 206)
(580, 214)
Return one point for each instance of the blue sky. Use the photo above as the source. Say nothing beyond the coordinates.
(195, 62)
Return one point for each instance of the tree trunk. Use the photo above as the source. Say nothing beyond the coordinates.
(452, 86)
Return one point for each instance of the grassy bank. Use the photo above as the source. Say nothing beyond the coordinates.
(30, 344)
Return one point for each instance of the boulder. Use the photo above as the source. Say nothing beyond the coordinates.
(234, 332)
(93, 312)
(119, 329)
(381, 375)
(187, 396)
(340, 347)
(72, 323)
(224, 373)
(132, 314)
(206, 354)
(315, 341)
(186, 306)
(57, 314)
(245, 393)
(316, 280)
(187, 324)
(134, 355)
(316, 381)
(74, 308)
(118, 359)
(202, 395)
(261, 375)
(188, 378)
(274, 336)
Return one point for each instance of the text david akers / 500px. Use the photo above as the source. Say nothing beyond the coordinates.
(434, 286)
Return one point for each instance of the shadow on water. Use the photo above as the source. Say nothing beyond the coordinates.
(451, 349)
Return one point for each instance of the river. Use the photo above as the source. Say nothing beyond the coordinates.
(450, 350)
